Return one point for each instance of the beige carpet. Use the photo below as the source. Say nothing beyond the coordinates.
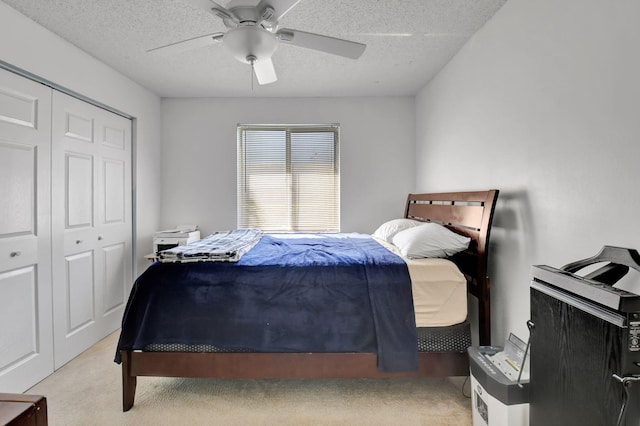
(87, 391)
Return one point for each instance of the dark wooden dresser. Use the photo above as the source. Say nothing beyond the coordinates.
(23, 410)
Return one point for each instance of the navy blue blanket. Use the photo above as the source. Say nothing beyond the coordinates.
(339, 293)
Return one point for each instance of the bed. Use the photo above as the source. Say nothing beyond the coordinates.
(468, 214)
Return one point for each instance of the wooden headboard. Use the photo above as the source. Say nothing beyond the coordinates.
(470, 214)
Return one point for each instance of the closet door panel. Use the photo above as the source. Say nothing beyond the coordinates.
(79, 191)
(92, 223)
(115, 261)
(18, 291)
(18, 102)
(18, 180)
(73, 219)
(114, 217)
(80, 292)
(114, 191)
(26, 340)
(78, 126)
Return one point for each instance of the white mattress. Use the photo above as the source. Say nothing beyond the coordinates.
(439, 290)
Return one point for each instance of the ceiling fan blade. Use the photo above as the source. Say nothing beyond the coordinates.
(280, 8)
(185, 45)
(335, 46)
(265, 72)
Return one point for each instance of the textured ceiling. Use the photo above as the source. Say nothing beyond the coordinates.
(408, 42)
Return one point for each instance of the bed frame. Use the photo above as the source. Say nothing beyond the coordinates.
(468, 213)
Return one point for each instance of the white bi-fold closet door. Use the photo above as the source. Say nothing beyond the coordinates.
(91, 223)
(65, 228)
(26, 340)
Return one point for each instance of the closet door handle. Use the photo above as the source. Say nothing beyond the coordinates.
(99, 237)
(15, 253)
(78, 241)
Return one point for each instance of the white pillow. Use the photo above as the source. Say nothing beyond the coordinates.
(387, 230)
(429, 240)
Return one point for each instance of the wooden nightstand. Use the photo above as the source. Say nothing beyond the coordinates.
(19, 410)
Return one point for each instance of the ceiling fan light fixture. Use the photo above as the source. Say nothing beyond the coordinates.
(250, 41)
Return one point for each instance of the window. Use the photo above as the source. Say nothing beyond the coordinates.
(289, 178)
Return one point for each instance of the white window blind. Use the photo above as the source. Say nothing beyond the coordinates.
(289, 178)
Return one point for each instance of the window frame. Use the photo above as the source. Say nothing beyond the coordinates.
(294, 224)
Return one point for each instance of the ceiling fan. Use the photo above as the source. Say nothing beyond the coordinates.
(254, 36)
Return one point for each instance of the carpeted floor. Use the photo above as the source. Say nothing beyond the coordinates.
(87, 391)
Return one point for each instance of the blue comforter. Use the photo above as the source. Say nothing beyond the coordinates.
(339, 293)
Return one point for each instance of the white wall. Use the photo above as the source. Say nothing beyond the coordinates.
(199, 155)
(542, 104)
(27, 45)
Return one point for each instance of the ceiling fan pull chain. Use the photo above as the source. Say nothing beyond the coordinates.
(252, 61)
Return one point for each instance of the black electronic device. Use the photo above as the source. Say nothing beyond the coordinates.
(586, 339)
